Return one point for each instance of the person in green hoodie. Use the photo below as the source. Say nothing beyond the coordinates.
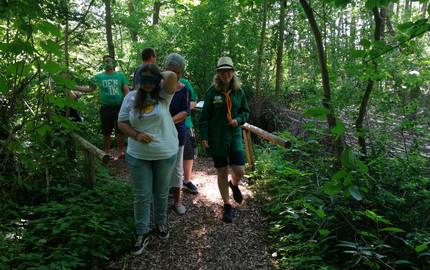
(225, 109)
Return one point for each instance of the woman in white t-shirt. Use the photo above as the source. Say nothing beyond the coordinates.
(151, 152)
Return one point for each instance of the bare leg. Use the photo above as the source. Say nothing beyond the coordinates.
(188, 170)
(106, 144)
(223, 184)
(237, 173)
(120, 142)
(177, 198)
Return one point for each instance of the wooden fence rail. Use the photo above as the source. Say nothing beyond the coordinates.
(248, 129)
(90, 153)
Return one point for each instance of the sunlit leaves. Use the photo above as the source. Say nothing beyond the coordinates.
(48, 28)
(51, 47)
(421, 248)
(20, 68)
(63, 82)
(316, 112)
(319, 212)
(375, 217)
(51, 66)
(392, 230)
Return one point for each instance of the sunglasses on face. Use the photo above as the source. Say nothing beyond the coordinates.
(148, 79)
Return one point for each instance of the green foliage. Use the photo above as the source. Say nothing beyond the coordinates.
(73, 232)
(323, 218)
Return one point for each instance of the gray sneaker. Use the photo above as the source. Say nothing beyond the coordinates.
(180, 209)
(162, 232)
(141, 242)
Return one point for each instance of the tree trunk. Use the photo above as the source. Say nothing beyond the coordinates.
(365, 101)
(424, 10)
(156, 13)
(280, 48)
(326, 102)
(108, 21)
(133, 33)
(66, 34)
(258, 75)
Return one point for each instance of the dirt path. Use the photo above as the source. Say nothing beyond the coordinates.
(199, 239)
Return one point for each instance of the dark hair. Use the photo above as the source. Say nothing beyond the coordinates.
(147, 53)
(144, 99)
(106, 56)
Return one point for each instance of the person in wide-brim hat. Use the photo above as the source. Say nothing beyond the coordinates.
(225, 109)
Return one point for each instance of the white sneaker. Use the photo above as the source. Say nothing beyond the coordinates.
(180, 209)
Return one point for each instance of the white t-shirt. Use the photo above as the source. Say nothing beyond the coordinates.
(156, 122)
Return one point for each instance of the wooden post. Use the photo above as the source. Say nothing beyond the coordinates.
(90, 169)
(90, 154)
(248, 148)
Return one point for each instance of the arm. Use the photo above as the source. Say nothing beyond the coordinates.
(170, 82)
(204, 119)
(124, 124)
(88, 88)
(192, 93)
(84, 88)
(125, 89)
(124, 82)
(179, 117)
(128, 130)
(243, 112)
(184, 106)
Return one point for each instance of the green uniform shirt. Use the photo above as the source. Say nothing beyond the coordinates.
(110, 87)
(193, 97)
(214, 125)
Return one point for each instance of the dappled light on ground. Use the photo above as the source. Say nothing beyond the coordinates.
(200, 240)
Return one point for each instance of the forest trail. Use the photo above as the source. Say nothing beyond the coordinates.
(199, 239)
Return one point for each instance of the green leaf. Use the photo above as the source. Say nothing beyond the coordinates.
(332, 188)
(319, 212)
(361, 166)
(3, 85)
(49, 28)
(377, 218)
(51, 67)
(400, 262)
(20, 68)
(367, 234)
(18, 46)
(338, 130)
(347, 158)
(392, 229)
(355, 193)
(51, 47)
(61, 81)
(357, 53)
(421, 248)
(324, 232)
(365, 43)
(404, 27)
(317, 112)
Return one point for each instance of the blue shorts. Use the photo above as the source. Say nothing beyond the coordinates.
(233, 158)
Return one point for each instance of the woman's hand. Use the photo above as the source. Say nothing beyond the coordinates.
(143, 138)
(233, 123)
(205, 144)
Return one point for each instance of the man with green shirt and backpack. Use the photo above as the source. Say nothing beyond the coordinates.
(113, 87)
